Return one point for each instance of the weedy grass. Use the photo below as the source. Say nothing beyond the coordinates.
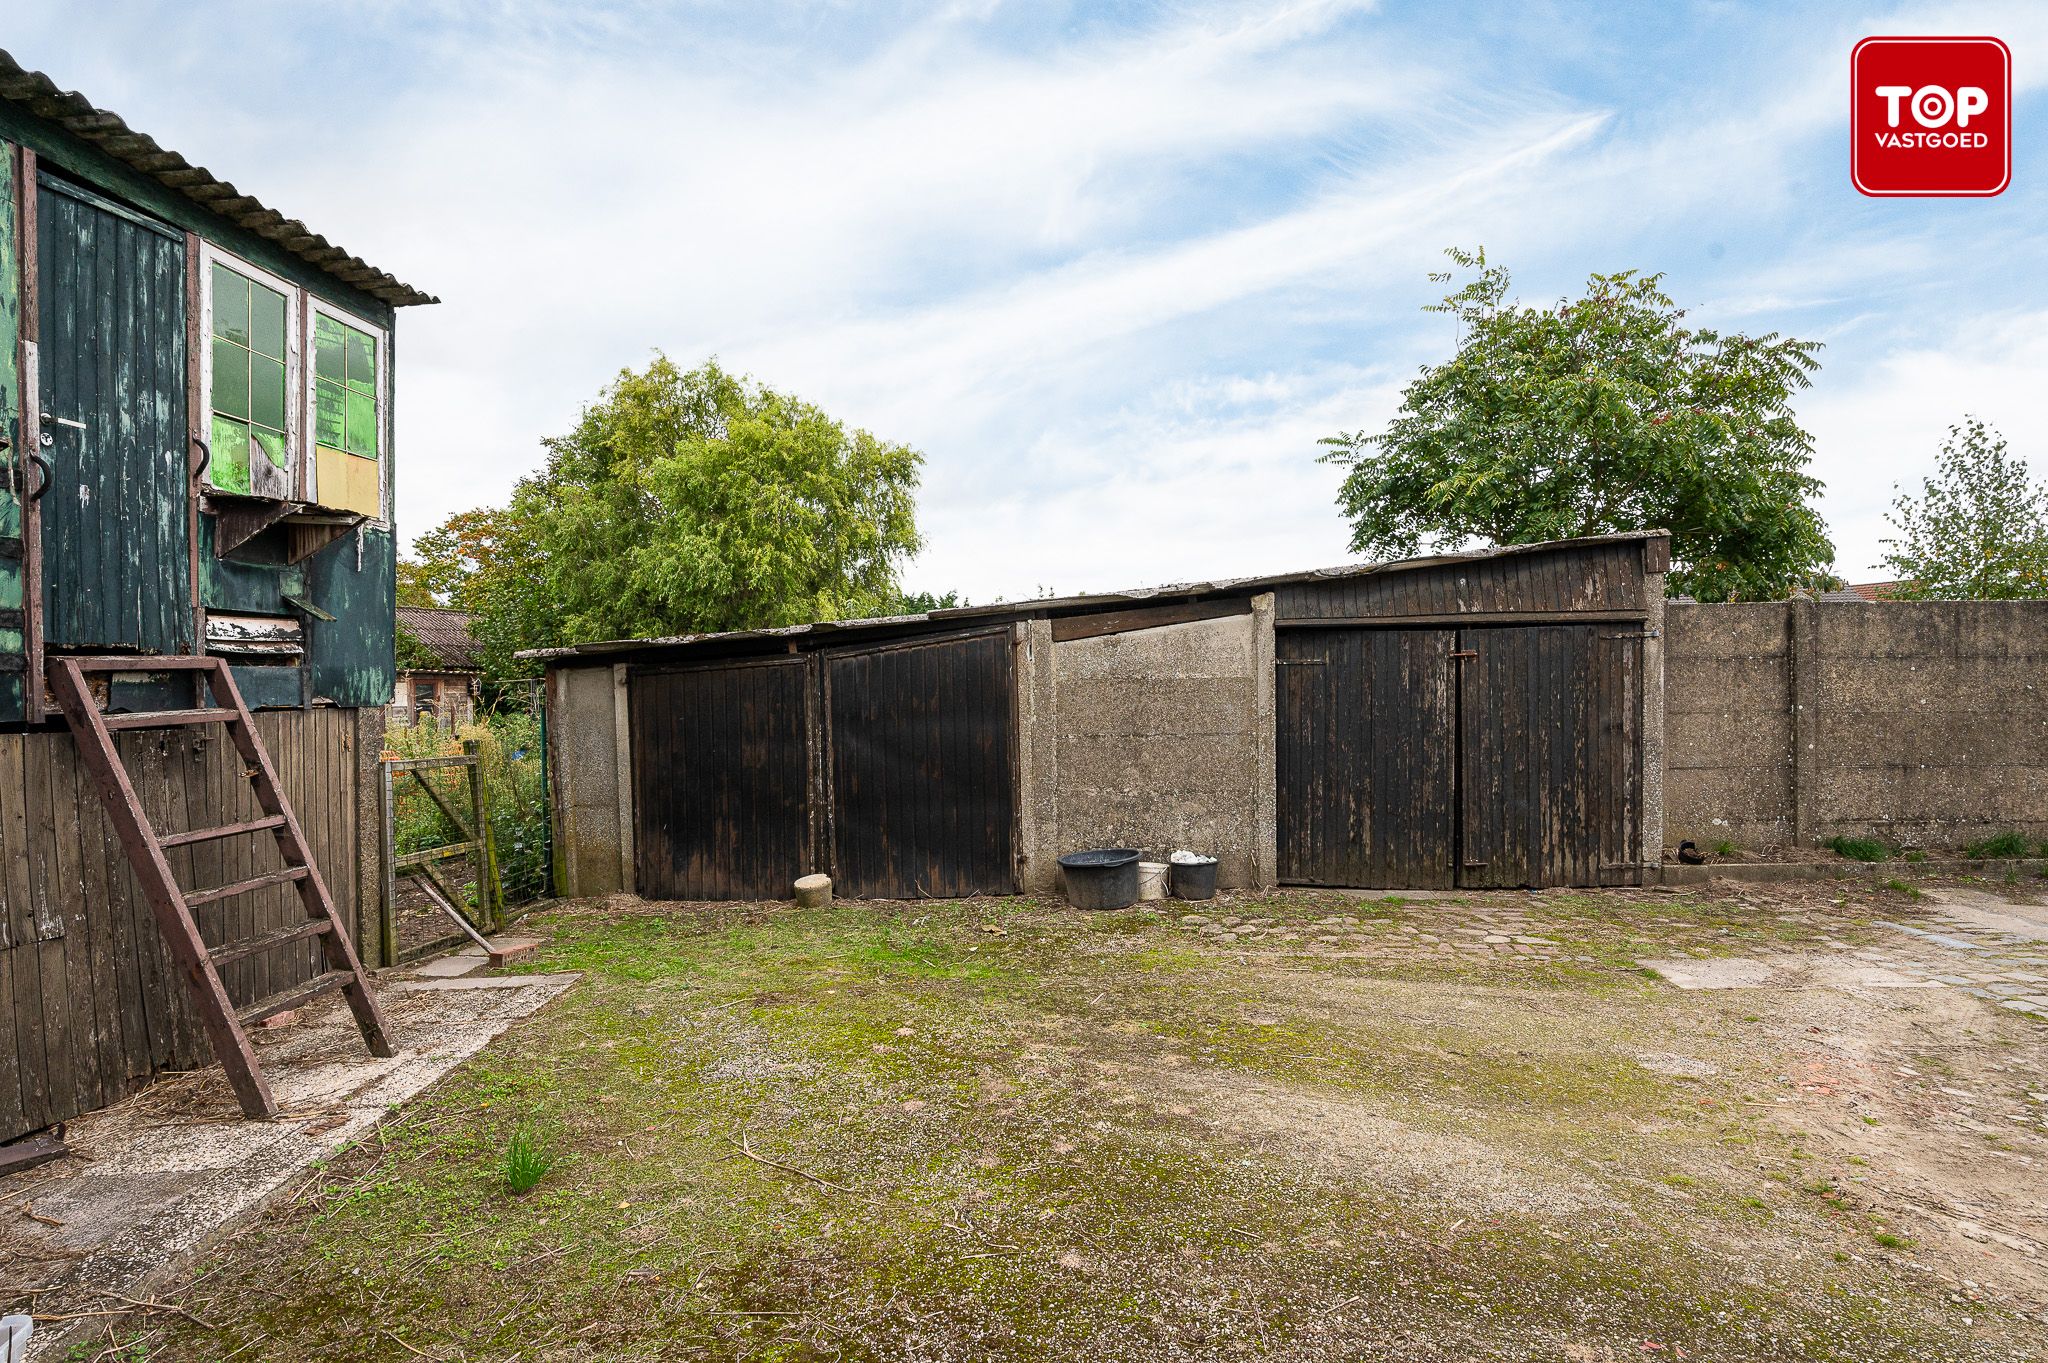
(998, 1130)
(1861, 849)
(2000, 847)
(527, 1161)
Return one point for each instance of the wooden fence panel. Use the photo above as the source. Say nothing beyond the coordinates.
(93, 1003)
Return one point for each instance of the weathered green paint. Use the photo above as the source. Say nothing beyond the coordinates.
(270, 688)
(115, 550)
(101, 171)
(12, 643)
(119, 316)
(353, 656)
(234, 584)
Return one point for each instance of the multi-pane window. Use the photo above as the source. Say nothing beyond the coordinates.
(294, 392)
(251, 390)
(346, 420)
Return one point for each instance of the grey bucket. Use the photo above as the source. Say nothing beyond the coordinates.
(1104, 878)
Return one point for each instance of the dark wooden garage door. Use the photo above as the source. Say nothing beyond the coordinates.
(1548, 765)
(1366, 757)
(923, 769)
(721, 776)
(1495, 757)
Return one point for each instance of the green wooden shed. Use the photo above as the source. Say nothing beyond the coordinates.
(196, 398)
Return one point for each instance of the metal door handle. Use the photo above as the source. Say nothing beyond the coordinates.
(49, 472)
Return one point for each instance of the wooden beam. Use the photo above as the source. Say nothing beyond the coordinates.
(1468, 618)
(1070, 627)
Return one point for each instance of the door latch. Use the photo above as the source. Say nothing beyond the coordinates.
(1464, 653)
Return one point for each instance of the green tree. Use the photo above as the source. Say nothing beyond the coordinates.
(415, 584)
(1599, 414)
(1978, 530)
(683, 501)
(921, 603)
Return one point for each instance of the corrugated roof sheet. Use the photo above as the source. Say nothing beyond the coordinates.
(445, 634)
(1016, 610)
(77, 115)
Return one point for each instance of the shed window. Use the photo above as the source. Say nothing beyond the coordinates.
(250, 442)
(347, 415)
(295, 392)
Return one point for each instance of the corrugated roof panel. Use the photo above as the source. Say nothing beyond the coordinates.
(77, 115)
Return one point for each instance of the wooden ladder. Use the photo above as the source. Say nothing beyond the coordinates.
(94, 730)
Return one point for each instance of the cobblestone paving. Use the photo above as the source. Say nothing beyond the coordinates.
(1970, 940)
(1987, 947)
(1509, 934)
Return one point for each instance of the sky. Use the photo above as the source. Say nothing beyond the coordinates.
(1115, 269)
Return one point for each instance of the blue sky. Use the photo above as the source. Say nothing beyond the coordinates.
(1114, 268)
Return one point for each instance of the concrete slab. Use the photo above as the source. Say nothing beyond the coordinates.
(1987, 912)
(174, 1167)
(453, 966)
(1728, 972)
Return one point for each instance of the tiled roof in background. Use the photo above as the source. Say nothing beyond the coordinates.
(445, 634)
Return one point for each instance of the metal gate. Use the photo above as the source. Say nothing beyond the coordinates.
(1487, 757)
(721, 779)
(923, 767)
(110, 289)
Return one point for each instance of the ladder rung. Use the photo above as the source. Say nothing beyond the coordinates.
(226, 830)
(167, 719)
(296, 997)
(136, 662)
(288, 874)
(264, 941)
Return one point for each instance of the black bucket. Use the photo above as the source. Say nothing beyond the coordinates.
(1106, 878)
(1193, 879)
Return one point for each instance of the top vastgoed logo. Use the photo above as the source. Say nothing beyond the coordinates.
(1930, 117)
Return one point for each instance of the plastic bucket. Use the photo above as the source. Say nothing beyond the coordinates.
(1151, 880)
(1104, 878)
(1194, 880)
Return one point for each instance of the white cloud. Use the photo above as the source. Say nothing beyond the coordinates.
(1115, 277)
(1883, 426)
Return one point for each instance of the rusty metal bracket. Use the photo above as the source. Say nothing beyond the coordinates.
(1464, 653)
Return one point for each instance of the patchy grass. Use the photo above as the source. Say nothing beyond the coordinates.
(1861, 849)
(1003, 1130)
(2000, 847)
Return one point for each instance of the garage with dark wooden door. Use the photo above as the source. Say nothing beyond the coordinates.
(893, 766)
(1485, 719)
(1473, 724)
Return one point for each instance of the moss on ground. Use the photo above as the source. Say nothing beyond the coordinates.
(998, 1130)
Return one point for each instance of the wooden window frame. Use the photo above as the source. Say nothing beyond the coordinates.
(295, 413)
(310, 378)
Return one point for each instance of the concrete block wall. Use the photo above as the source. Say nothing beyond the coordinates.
(1156, 739)
(1728, 739)
(1925, 723)
(593, 851)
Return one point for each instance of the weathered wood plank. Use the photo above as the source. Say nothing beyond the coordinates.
(1068, 627)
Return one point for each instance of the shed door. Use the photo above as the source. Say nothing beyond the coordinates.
(1366, 758)
(923, 770)
(111, 289)
(721, 780)
(1548, 765)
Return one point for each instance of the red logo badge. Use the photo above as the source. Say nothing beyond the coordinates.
(1930, 117)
